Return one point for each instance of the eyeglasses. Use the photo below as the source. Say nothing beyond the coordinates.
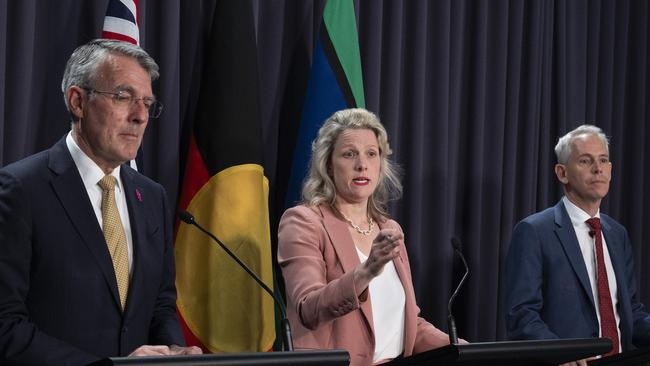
(126, 99)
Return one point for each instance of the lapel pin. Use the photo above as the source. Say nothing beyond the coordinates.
(138, 195)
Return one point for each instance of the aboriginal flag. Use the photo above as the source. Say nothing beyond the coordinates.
(224, 187)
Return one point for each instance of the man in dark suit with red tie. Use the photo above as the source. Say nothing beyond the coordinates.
(86, 260)
(570, 268)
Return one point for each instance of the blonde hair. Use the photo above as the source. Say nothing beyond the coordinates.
(319, 187)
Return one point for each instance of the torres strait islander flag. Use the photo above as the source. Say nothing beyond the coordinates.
(335, 82)
(224, 187)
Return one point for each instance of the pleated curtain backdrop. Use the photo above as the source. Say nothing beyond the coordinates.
(474, 95)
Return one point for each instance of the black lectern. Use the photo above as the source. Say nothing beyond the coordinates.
(637, 357)
(308, 358)
(542, 353)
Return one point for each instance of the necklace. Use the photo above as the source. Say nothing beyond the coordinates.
(360, 230)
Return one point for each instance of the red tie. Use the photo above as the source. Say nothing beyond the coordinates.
(607, 320)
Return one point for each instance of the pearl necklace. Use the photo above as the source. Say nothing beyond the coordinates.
(360, 230)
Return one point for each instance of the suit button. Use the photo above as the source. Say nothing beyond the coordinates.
(125, 329)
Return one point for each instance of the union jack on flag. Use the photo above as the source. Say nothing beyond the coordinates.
(121, 21)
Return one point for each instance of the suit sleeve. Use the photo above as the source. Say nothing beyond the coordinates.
(524, 276)
(21, 342)
(316, 299)
(165, 327)
(640, 317)
(428, 336)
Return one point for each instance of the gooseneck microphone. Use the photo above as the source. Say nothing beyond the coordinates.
(287, 340)
(451, 322)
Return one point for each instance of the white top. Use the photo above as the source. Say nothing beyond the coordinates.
(91, 173)
(388, 312)
(588, 248)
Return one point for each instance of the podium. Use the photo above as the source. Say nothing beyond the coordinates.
(308, 358)
(637, 357)
(539, 352)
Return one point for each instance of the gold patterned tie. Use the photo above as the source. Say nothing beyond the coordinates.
(115, 237)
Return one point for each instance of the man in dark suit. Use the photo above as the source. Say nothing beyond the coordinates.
(87, 269)
(555, 283)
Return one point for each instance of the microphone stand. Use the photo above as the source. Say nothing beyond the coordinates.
(451, 322)
(187, 218)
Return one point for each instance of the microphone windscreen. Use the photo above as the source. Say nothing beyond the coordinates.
(186, 216)
(455, 242)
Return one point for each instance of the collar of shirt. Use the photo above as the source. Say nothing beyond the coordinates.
(586, 243)
(577, 215)
(90, 172)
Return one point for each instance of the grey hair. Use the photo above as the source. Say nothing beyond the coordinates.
(81, 69)
(563, 147)
(319, 185)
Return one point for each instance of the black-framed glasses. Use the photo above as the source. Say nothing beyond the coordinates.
(126, 99)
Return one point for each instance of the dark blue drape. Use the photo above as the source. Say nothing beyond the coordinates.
(473, 93)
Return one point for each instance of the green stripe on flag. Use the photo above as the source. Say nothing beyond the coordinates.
(341, 24)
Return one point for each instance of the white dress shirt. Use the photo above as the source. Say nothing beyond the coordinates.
(588, 248)
(388, 311)
(91, 173)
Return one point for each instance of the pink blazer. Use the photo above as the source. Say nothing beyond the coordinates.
(318, 257)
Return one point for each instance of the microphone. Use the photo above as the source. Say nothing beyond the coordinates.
(592, 233)
(287, 340)
(451, 322)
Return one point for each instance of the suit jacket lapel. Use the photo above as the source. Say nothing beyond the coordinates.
(617, 256)
(138, 219)
(567, 236)
(614, 249)
(70, 190)
(341, 240)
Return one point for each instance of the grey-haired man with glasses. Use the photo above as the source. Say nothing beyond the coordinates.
(86, 258)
